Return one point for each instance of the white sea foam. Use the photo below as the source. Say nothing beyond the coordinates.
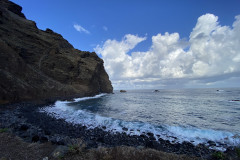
(87, 98)
(196, 136)
(91, 120)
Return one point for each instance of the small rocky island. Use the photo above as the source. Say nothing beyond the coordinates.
(42, 65)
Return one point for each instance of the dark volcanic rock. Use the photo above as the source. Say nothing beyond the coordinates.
(42, 65)
(35, 138)
(24, 127)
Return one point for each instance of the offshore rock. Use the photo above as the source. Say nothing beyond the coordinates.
(42, 65)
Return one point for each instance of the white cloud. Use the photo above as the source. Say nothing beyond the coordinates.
(105, 28)
(213, 55)
(80, 28)
(114, 53)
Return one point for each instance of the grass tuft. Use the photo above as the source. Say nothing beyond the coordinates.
(238, 152)
(76, 146)
(218, 156)
(2, 130)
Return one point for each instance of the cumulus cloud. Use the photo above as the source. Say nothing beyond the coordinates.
(80, 29)
(211, 54)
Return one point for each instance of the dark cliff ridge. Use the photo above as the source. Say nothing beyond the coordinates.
(42, 65)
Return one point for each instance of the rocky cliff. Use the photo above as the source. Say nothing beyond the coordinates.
(41, 65)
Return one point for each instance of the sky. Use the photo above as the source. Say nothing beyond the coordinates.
(151, 44)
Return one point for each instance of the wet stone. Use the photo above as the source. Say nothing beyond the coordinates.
(24, 127)
(152, 138)
(211, 143)
(100, 139)
(150, 134)
(43, 139)
(143, 136)
(35, 138)
(47, 132)
(24, 135)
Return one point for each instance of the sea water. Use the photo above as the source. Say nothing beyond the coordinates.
(192, 115)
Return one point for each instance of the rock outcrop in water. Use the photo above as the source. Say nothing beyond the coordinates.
(40, 65)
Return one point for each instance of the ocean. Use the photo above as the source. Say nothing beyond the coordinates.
(208, 116)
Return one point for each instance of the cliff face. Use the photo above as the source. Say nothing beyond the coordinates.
(39, 65)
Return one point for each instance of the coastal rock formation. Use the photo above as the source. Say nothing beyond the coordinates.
(42, 65)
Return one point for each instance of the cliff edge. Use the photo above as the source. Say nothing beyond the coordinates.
(42, 65)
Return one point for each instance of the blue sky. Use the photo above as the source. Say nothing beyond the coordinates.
(139, 26)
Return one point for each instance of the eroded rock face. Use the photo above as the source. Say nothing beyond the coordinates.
(39, 65)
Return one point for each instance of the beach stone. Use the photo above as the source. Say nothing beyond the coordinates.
(35, 138)
(211, 143)
(43, 139)
(100, 139)
(57, 139)
(152, 138)
(92, 144)
(24, 127)
(140, 147)
(150, 134)
(24, 134)
(60, 151)
(47, 132)
(152, 144)
(143, 136)
(125, 129)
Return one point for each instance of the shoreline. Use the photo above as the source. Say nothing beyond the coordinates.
(25, 121)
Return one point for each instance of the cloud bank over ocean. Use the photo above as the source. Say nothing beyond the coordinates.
(211, 54)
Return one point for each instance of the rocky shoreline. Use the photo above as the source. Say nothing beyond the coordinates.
(25, 121)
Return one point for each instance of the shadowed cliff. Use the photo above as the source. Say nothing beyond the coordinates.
(42, 65)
